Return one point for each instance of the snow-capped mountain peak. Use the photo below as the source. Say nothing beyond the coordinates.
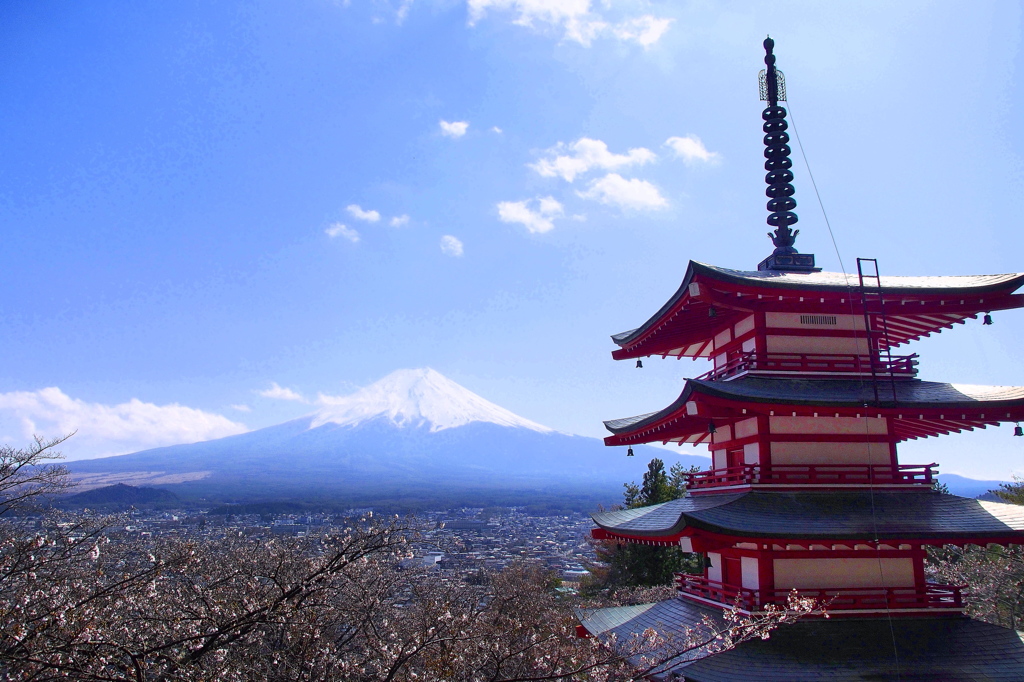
(416, 397)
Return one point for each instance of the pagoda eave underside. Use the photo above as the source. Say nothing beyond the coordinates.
(701, 404)
(707, 302)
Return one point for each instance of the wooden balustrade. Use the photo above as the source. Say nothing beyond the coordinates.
(792, 363)
(818, 474)
(931, 596)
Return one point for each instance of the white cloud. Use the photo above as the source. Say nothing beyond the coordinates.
(111, 429)
(340, 230)
(645, 30)
(536, 221)
(585, 154)
(281, 393)
(496, 129)
(454, 129)
(634, 194)
(574, 19)
(241, 408)
(403, 11)
(691, 150)
(450, 246)
(359, 214)
(399, 221)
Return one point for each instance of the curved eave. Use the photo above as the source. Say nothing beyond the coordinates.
(921, 409)
(921, 516)
(840, 282)
(666, 333)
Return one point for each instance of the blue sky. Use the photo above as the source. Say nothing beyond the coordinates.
(213, 212)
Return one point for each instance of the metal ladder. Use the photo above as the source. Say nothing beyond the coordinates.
(873, 304)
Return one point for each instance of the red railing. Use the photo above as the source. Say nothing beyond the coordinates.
(786, 363)
(931, 596)
(820, 474)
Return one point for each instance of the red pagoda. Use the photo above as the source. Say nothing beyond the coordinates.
(803, 412)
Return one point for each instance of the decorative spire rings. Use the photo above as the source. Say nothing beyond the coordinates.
(777, 162)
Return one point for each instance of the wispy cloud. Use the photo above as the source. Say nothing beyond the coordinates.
(403, 11)
(691, 150)
(454, 129)
(341, 230)
(241, 408)
(537, 220)
(635, 194)
(496, 129)
(645, 30)
(574, 19)
(358, 213)
(570, 160)
(112, 429)
(451, 246)
(281, 393)
(399, 221)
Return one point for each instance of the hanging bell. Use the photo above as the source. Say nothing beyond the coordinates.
(1018, 431)
(987, 319)
(712, 312)
(711, 427)
(639, 364)
(629, 452)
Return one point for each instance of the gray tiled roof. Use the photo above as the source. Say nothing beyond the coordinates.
(813, 515)
(840, 280)
(828, 281)
(832, 392)
(837, 649)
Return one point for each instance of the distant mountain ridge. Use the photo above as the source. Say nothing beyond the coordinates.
(413, 435)
(119, 495)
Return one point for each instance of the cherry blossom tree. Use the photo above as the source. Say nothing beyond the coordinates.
(81, 599)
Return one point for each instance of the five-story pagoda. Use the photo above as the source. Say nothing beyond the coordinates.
(803, 411)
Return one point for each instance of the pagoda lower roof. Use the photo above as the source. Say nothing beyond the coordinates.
(920, 408)
(918, 515)
(813, 649)
(711, 298)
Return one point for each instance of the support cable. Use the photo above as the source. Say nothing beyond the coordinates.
(874, 379)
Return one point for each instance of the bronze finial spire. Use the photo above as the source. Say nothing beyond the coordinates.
(779, 178)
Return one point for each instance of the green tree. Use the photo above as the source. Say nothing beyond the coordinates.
(1012, 492)
(648, 565)
(994, 573)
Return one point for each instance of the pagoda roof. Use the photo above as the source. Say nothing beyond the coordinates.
(848, 515)
(920, 408)
(685, 323)
(842, 281)
(813, 649)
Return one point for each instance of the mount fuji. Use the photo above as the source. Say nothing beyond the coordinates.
(413, 439)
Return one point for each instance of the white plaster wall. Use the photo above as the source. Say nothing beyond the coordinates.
(744, 325)
(723, 337)
(748, 572)
(831, 425)
(719, 459)
(752, 453)
(806, 574)
(723, 434)
(747, 427)
(715, 569)
(817, 345)
(830, 453)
